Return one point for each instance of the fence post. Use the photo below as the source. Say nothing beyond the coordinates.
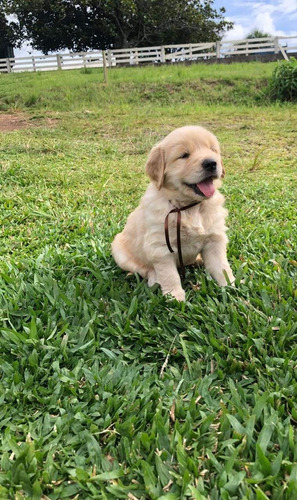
(8, 65)
(218, 50)
(163, 57)
(104, 66)
(190, 52)
(276, 45)
(109, 58)
(136, 57)
(283, 52)
(33, 63)
(59, 61)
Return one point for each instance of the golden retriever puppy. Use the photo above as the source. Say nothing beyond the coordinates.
(184, 168)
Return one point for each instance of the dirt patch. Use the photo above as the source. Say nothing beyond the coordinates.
(17, 121)
(13, 122)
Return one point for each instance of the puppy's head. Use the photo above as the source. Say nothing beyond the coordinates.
(188, 163)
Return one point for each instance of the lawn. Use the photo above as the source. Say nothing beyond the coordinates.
(108, 389)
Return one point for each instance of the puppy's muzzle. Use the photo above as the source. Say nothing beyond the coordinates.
(209, 166)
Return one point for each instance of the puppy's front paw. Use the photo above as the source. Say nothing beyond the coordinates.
(230, 280)
(226, 278)
(179, 295)
(151, 277)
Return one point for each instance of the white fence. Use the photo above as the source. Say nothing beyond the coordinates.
(153, 55)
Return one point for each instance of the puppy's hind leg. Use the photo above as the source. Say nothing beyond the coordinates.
(199, 261)
(124, 259)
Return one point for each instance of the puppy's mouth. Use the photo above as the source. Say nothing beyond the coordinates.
(203, 188)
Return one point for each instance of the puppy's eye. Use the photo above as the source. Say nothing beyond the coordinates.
(214, 149)
(184, 155)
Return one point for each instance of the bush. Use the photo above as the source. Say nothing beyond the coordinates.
(283, 82)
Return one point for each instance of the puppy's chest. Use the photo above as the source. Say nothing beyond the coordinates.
(192, 230)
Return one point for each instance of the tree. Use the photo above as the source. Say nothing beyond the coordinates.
(51, 25)
(7, 36)
(258, 34)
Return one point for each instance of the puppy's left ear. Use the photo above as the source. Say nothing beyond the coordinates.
(223, 171)
(155, 166)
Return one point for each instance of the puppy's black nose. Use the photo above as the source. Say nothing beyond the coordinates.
(209, 165)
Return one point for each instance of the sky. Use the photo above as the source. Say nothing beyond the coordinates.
(276, 17)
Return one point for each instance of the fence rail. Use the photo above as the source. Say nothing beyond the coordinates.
(157, 55)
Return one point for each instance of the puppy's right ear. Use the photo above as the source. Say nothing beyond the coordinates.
(155, 166)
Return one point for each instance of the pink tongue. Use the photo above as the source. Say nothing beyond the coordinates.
(207, 187)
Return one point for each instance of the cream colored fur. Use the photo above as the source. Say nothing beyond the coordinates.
(141, 246)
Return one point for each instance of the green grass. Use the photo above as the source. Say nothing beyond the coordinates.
(108, 389)
(77, 90)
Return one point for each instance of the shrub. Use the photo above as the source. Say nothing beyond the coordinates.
(283, 82)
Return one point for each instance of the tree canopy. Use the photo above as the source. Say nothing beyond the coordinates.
(257, 34)
(52, 25)
(7, 35)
